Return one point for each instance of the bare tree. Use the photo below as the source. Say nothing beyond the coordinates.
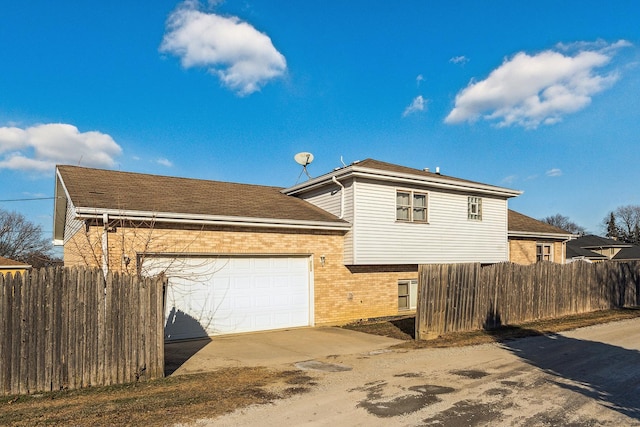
(564, 223)
(624, 224)
(23, 240)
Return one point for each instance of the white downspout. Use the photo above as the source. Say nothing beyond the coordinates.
(564, 250)
(333, 178)
(105, 243)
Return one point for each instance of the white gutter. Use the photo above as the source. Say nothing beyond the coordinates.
(541, 235)
(333, 178)
(93, 213)
(564, 250)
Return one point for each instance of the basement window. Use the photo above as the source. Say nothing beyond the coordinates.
(407, 294)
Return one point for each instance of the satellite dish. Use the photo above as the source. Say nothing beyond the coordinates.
(303, 158)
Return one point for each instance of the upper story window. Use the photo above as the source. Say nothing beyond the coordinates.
(475, 208)
(411, 206)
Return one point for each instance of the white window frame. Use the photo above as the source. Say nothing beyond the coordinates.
(540, 254)
(407, 300)
(474, 209)
(411, 207)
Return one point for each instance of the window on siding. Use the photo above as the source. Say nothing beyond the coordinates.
(475, 208)
(544, 252)
(407, 294)
(411, 206)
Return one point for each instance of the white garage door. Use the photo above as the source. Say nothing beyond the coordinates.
(223, 295)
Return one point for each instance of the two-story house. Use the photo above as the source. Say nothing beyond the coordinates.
(337, 248)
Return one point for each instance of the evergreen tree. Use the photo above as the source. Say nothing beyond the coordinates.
(612, 228)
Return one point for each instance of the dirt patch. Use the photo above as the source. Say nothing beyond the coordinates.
(171, 400)
(401, 328)
(404, 329)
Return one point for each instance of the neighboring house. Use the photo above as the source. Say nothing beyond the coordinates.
(532, 241)
(628, 254)
(10, 266)
(337, 248)
(595, 248)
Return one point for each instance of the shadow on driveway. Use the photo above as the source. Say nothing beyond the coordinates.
(177, 353)
(607, 373)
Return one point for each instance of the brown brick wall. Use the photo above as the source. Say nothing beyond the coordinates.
(523, 251)
(341, 293)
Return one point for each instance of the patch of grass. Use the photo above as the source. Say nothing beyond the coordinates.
(162, 402)
(404, 329)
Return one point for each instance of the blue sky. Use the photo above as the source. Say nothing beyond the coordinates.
(537, 96)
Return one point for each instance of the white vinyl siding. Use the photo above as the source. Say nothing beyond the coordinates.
(329, 199)
(449, 237)
(72, 225)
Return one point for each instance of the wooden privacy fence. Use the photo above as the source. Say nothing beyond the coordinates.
(71, 328)
(464, 297)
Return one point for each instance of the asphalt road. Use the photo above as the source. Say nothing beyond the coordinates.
(588, 377)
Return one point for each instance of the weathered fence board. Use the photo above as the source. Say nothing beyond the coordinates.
(462, 297)
(71, 328)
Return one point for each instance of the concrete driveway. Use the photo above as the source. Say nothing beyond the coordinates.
(273, 348)
(588, 377)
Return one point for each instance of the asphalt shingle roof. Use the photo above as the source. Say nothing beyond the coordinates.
(576, 252)
(628, 254)
(6, 262)
(592, 241)
(520, 222)
(128, 191)
(377, 164)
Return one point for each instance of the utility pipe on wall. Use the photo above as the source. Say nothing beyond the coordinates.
(105, 243)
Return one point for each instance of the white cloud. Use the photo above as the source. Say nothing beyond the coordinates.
(459, 60)
(419, 79)
(242, 57)
(509, 179)
(39, 148)
(418, 104)
(164, 162)
(529, 90)
(553, 172)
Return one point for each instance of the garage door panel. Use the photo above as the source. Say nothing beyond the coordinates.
(220, 295)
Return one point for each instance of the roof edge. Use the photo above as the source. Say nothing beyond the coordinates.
(390, 176)
(514, 233)
(168, 217)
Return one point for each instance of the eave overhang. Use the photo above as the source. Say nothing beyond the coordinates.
(83, 213)
(401, 178)
(532, 234)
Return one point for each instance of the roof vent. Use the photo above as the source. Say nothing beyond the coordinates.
(438, 170)
(426, 169)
